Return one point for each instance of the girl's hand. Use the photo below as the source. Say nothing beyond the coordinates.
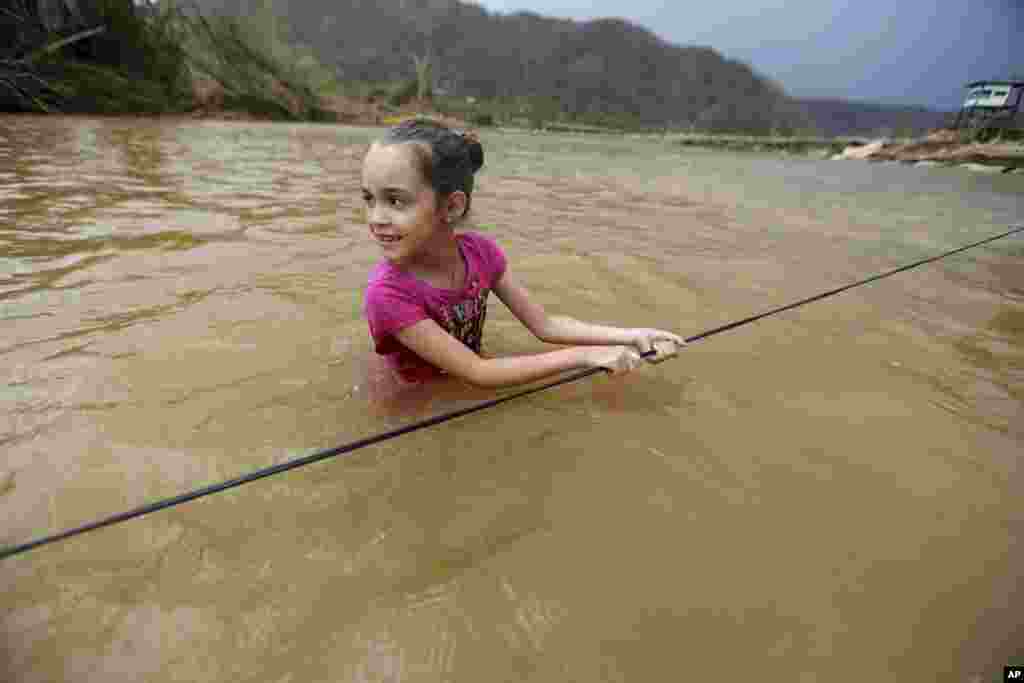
(665, 344)
(617, 359)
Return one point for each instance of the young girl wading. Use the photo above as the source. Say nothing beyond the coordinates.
(426, 302)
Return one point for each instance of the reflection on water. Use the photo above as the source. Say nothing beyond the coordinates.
(829, 493)
(997, 356)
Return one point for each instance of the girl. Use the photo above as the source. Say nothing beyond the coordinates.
(427, 301)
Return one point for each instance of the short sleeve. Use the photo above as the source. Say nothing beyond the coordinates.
(388, 309)
(493, 257)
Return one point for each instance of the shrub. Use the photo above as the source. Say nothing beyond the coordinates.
(259, 72)
(482, 119)
(403, 92)
(129, 59)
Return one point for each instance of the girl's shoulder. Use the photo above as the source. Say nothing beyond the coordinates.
(383, 271)
(479, 238)
(486, 250)
(387, 281)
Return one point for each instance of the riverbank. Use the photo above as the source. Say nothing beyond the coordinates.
(940, 148)
(943, 149)
(357, 111)
(748, 143)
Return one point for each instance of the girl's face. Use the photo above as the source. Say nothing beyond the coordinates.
(401, 208)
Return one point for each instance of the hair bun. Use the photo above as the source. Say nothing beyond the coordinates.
(476, 155)
(476, 150)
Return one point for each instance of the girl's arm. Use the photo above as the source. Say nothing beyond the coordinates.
(433, 344)
(564, 330)
(606, 347)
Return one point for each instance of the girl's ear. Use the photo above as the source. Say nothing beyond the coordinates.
(455, 206)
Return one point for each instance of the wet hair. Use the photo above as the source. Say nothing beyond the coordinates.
(446, 158)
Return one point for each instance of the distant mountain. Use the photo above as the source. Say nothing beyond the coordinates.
(843, 117)
(601, 66)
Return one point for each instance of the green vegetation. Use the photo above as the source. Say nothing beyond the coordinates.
(982, 134)
(120, 62)
(257, 70)
(371, 62)
(537, 112)
(795, 144)
(118, 57)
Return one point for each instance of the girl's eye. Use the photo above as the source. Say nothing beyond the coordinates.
(396, 202)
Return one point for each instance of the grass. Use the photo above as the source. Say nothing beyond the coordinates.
(798, 144)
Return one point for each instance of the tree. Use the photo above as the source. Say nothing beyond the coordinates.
(424, 84)
(58, 16)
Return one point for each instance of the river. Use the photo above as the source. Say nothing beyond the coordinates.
(833, 493)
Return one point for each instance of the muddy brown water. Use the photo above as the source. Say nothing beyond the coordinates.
(830, 494)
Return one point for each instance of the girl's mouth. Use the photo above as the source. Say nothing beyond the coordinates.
(388, 239)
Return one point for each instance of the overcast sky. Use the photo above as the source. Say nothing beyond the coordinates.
(896, 51)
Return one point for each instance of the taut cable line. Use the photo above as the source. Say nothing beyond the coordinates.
(10, 551)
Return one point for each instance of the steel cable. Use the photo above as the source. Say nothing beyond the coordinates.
(10, 551)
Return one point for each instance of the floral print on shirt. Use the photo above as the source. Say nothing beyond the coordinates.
(465, 320)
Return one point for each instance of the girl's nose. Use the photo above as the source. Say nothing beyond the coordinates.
(377, 216)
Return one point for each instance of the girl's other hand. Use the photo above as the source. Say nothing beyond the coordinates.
(664, 344)
(617, 359)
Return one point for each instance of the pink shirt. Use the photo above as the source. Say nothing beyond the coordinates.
(396, 299)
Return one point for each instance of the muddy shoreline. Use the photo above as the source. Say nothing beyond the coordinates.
(941, 147)
(1006, 157)
(937, 149)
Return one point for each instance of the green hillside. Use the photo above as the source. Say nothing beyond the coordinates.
(596, 70)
